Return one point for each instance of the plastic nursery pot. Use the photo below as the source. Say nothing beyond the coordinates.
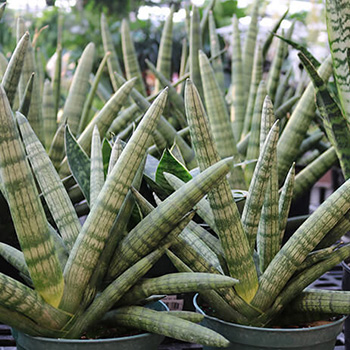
(255, 338)
(346, 286)
(144, 341)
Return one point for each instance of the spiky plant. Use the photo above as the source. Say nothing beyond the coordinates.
(270, 277)
(73, 280)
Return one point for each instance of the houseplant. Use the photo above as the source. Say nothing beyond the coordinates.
(55, 265)
(271, 278)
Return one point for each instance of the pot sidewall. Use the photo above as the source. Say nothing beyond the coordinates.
(144, 341)
(254, 338)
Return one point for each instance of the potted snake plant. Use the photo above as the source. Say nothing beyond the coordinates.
(74, 274)
(272, 289)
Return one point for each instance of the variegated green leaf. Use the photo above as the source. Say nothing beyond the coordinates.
(26, 210)
(162, 323)
(79, 163)
(336, 126)
(169, 164)
(249, 45)
(55, 195)
(298, 123)
(252, 209)
(219, 120)
(49, 115)
(165, 49)
(13, 71)
(302, 242)
(96, 172)
(85, 115)
(132, 67)
(95, 231)
(214, 51)
(255, 81)
(337, 18)
(255, 143)
(195, 46)
(112, 62)
(285, 201)
(238, 91)
(78, 90)
(227, 218)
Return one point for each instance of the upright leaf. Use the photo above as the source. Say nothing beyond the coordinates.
(78, 90)
(26, 210)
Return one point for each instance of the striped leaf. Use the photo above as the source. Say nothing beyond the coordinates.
(195, 46)
(106, 115)
(227, 218)
(29, 66)
(26, 210)
(337, 18)
(255, 81)
(285, 201)
(255, 143)
(219, 120)
(202, 208)
(268, 235)
(14, 68)
(96, 172)
(82, 261)
(115, 154)
(303, 279)
(334, 302)
(214, 52)
(302, 49)
(249, 46)
(78, 90)
(20, 298)
(254, 202)
(296, 128)
(275, 70)
(55, 195)
(106, 155)
(113, 293)
(132, 67)
(238, 91)
(336, 126)
(166, 216)
(165, 128)
(85, 116)
(303, 241)
(56, 151)
(174, 98)
(49, 115)
(174, 283)
(165, 49)
(169, 164)
(163, 323)
(56, 80)
(306, 178)
(15, 257)
(113, 61)
(79, 163)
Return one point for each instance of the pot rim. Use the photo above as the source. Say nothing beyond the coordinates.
(103, 340)
(80, 341)
(263, 329)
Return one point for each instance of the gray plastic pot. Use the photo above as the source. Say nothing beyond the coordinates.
(255, 338)
(145, 341)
